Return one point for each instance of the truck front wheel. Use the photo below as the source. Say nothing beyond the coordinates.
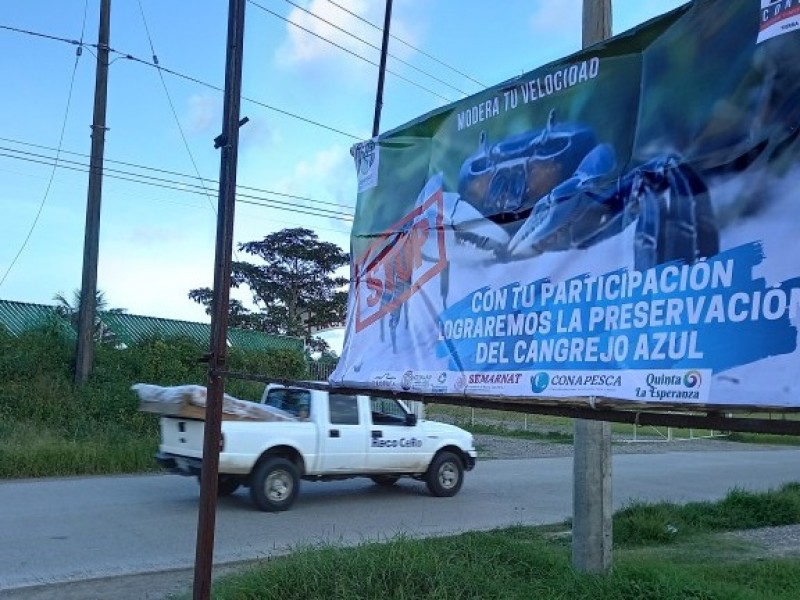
(274, 484)
(445, 474)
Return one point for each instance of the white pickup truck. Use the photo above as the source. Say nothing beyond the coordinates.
(324, 437)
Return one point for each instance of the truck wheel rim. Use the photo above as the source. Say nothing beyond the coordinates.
(278, 486)
(448, 475)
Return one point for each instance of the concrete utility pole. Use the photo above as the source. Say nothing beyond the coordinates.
(228, 141)
(84, 355)
(592, 510)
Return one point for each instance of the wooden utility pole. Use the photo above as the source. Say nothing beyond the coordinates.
(228, 141)
(592, 510)
(84, 355)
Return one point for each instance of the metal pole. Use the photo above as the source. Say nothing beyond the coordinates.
(229, 142)
(592, 509)
(84, 354)
(387, 18)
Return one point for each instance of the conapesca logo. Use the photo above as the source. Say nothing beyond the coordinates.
(539, 382)
(587, 379)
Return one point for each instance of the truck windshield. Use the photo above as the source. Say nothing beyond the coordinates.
(295, 402)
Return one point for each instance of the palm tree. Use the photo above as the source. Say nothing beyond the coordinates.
(70, 311)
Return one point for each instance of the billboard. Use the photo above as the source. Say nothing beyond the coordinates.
(620, 223)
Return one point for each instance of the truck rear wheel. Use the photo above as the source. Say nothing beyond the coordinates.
(445, 475)
(274, 484)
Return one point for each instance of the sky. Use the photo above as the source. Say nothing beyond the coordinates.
(307, 101)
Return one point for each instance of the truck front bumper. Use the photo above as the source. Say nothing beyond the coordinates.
(182, 465)
(469, 460)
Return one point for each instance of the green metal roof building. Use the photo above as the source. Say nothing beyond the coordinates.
(16, 317)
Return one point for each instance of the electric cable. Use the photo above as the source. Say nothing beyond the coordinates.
(172, 106)
(179, 186)
(78, 52)
(163, 171)
(124, 55)
(355, 54)
(378, 48)
(394, 37)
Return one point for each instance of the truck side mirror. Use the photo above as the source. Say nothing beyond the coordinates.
(411, 419)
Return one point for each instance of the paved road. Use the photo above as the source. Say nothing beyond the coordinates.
(63, 530)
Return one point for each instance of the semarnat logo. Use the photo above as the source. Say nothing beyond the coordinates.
(393, 268)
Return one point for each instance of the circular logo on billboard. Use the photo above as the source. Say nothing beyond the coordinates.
(692, 379)
(442, 377)
(405, 382)
(539, 382)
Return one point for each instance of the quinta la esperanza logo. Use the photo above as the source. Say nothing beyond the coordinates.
(539, 382)
(692, 379)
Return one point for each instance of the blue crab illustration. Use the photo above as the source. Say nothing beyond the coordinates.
(554, 190)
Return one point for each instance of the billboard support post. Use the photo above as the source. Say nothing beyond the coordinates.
(592, 496)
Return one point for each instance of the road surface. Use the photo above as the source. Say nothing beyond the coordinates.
(62, 530)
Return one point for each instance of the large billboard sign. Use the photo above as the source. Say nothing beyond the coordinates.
(620, 223)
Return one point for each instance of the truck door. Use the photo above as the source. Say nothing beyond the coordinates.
(396, 443)
(344, 437)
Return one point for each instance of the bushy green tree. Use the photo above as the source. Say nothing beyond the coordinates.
(293, 284)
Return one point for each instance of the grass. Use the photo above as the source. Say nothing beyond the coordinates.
(48, 427)
(527, 562)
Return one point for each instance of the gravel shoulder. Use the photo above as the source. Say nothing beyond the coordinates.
(495, 446)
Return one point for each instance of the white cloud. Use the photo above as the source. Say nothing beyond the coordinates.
(328, 176)
(311, 53)
(301, 47)
(205, 113)
(156, 287)
(550, 19)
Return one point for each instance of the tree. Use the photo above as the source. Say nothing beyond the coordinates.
(70, 310)
(294, 286)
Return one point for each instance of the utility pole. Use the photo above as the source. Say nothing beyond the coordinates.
(592, 510)
(84, 355)
(228, 141)
(387, 19)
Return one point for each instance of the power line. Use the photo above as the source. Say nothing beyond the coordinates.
(251, 100)
(43, 35)
(179, 186)
(172, 107)
(127, 56)
(371, 45)
(394, 37)
(58, 152)
(332, 43)
(164, 171)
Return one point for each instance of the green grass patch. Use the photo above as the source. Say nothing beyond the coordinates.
(507, 564)
(527, 562)
(556, 437)
(48, 427)
(645, 523)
